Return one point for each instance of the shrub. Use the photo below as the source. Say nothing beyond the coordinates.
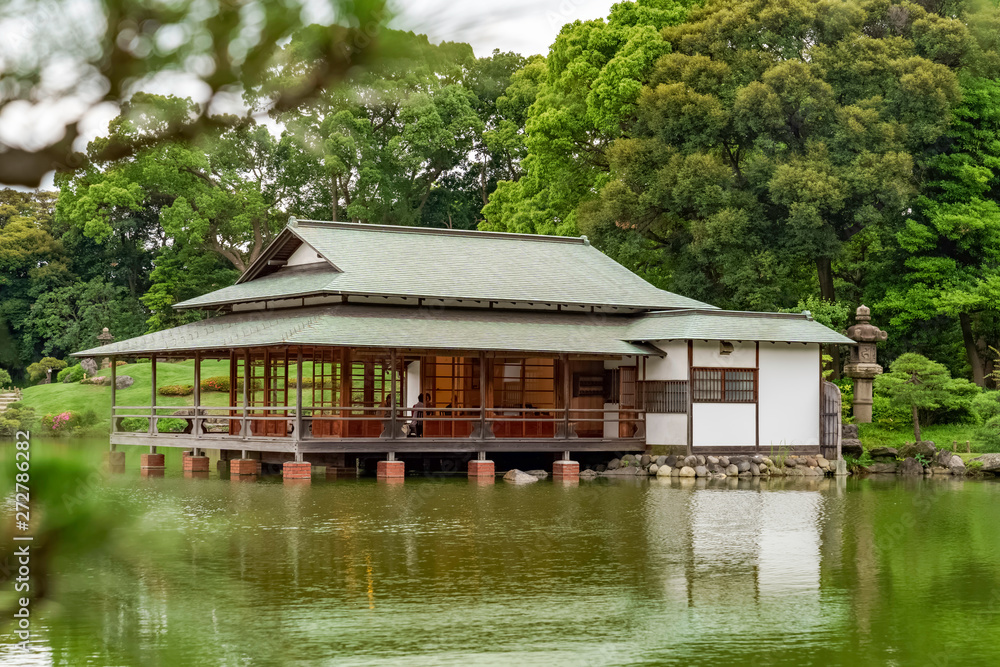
(5, 379)
(221, 383)
(989, 434)
(134, 424)
(175, 390)
(17, 417)
(71, 374)
(986, 405)
(68, 422)
(37, 370)
(171, 425)
(215, 383)
(121, 363)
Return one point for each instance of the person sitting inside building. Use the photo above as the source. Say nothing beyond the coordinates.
(417, 423)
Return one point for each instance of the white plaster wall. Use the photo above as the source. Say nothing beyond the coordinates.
(706, 354)
(674, 366)
(724, 424)
(666, 429)
(412, 386)
(304, 254)
(789, 394)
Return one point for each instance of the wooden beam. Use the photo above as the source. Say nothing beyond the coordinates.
(196, 422)
(244, 426)
(114, 389)
(152, 401)
(690, 429)
(392, 394)
(483, 379)
(298, 399)
(567, 392)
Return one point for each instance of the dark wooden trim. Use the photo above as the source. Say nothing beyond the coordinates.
(382, 445)
(152, 400)
(690, 429)
(114, 391)
(756, 393)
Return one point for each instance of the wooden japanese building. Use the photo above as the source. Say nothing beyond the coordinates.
(516, 343)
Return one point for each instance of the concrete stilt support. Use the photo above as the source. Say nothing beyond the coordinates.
(566, 470)
(244, 467)
(390, 469)
(297, 470)
(340, 472)
(147, 461)
(481, 468)
(115, 460)
(841, 469)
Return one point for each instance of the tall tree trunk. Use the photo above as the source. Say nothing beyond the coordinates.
(916, 424)
(824, 270)
(335, 197)
(972, 349)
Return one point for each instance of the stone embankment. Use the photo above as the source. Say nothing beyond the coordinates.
(715, 467)
(923, 458)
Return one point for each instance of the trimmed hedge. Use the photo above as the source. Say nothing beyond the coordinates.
(221, 383)
(71, 374)
(215, 383)
(175, 390)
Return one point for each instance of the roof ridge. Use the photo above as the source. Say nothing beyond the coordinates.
(438, 231)
(726, 313)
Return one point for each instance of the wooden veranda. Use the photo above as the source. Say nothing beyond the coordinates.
(336, 399)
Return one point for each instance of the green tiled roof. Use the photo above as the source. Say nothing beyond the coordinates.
(417, 262)
(388, 326)
(294, 281)
(471, 329)
(731, 325)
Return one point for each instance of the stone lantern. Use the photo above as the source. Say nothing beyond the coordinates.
(862, 367)
(105, 338)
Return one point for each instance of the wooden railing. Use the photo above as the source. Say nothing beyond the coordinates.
(359, 422)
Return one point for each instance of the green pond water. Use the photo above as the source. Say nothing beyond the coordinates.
(451, 572)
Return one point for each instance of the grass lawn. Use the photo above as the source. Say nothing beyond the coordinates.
(58, 397)
(943, 435)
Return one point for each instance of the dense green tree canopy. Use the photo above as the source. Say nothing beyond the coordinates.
(776, 132)
(585, 96)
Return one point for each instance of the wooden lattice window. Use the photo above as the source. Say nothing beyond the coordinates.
(724, 385)
(452, 382)
(326, 366)
(524, 383)
(664, 396)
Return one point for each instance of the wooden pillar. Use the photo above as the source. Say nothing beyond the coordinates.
(345, 391)
(690, 405)
(483, 379)
(392, 394)
(298, 399)
(567, 392)
(114, 391)
(152, 400)
(196, 423)
(244, 427)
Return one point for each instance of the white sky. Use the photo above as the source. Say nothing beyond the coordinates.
(521, 26)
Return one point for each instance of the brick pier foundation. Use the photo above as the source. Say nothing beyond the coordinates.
(478, 468)
(243, 467)
(390, 470)
(147, 461)
(296, 470)
(567, 470)
(195, 464)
